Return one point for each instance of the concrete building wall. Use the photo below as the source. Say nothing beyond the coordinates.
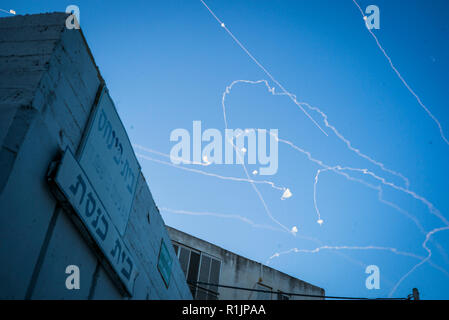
(48, 84)
(241, 272)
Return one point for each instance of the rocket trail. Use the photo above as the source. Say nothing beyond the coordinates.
(318, 249)
(355, 150)
(418, 99)
(320, 221)
(337, 169)
(368, 185)
(260, 66)
(205, 163)
(262, 200)
(324, 118)
(255, 225)
(364, 248)
(431, 208)
(346, 142)
(426, 259)
(293, 98)
(226, 216)
(9, 12)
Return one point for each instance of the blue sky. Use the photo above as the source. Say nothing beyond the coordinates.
(167, 64)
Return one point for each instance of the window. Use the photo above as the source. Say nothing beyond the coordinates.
(263, 295)
(209, 273)
(199, 267)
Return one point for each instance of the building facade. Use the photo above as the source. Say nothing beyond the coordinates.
(206, 264)
(77, 219)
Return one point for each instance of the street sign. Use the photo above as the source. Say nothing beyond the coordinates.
(109, 161)
(78, 191)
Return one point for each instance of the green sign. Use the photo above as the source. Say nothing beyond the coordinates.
(164, 263)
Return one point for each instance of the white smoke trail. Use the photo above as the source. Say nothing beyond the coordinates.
(426, 259)
(167, 163)
(320, 221)
(260, 66)
(255, 225)
(262, 200)
(388, 203)
(342, 138)
(355, 150)
(318, 249)
(418, 99)
(377, 188)
(337, 169)
(364, 248)
(272, 90)
(206, 163)
(430, 206)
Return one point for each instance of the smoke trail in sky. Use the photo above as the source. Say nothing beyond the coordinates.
(350, 147)
(339, 169)
(325, 120)
(403, 80)
(222, 215)
(399, 209)
(260, 66)
(364, 248)
(382, 200)
(430, 206)
(377, 188)
(294, 229)
(336, 169)
(320, 221)
(255, 225)
(205, 163)
(167, 163)
(318, 249)
(8, 11)
(342, 138)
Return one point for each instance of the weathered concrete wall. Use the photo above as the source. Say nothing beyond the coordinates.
(239, 271)
(48, 84)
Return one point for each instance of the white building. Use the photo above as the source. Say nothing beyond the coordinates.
(206, 264)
